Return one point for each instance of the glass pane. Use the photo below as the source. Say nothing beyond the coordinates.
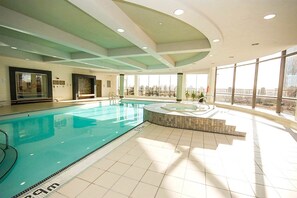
(143, 85)
(164, 85)
(278, 54)
(31, 85)
(290, 86)
(129, 85)
(196, 83)
(292, 49)
(224, 85)
(244, 84)
(267, 86)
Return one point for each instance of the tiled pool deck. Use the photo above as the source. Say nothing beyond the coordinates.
(166, 162)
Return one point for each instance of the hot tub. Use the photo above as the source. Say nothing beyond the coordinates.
(181, 107)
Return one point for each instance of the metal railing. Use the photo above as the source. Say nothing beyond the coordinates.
(6, 138)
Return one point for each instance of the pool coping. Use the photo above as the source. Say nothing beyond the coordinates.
(56, 180)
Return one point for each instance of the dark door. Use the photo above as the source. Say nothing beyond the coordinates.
(99, 88)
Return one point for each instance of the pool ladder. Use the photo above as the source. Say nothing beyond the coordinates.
(8, 156)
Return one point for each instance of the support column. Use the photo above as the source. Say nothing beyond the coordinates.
(233, 85)
(281, 83)
(179, 91)
(255, 84)
(122, 76)
(136, 84)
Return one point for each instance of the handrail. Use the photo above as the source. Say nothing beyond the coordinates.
(6, 138)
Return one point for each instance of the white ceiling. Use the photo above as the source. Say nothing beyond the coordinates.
(236, 23)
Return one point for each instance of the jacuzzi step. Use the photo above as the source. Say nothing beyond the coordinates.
(154, 114)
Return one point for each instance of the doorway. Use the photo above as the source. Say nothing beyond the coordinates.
(99, 88)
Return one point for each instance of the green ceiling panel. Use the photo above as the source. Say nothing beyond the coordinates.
(184, 56)
(170, 30)
(65, 16)
(35, 40)
(147, 60)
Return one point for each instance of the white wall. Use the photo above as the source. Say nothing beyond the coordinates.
(58, 71)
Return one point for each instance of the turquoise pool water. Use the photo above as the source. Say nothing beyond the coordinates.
(50, 140)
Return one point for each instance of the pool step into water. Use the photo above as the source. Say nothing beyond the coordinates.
(8, 157)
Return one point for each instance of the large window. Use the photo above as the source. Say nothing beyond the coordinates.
(273, 70)
(267, 86)
(224, 84)
(290, 86)
(129, 85)
(157, 85)
(196, 83)
(244, 84)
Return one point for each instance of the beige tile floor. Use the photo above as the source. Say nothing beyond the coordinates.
(164, 162)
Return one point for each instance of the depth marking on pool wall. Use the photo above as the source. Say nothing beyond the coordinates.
(42, 191)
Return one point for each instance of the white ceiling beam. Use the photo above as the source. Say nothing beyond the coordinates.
(108, 13)
(184, 47)
(33, 48)
(126, 52)
(22, 23)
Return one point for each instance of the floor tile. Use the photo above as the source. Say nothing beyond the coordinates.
(119, 168)
(152, 178)
(193, 189)
(135, 173)
(91, 174)
(128, 159)
(92, 191)
(212, 192)
(74, 187)
(195, 176)
(124, 185)
(107, 179)
(104, 163)
(112, 194)
(144, 191)
(164, 193)
(264, 191)
(216, 181)
(240, 187)
(158, 167)
(142, 163)
(172, 183)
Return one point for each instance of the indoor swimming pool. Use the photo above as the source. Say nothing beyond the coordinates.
(48, 141)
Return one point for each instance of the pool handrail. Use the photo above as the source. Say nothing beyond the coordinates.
(6, 139)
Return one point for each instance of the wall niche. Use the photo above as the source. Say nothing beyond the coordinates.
(84, 86)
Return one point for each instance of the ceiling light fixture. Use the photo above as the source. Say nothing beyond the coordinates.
(231, 56)
(269, 16)
(216, 40)
(14, 48)
(120, 30)
(210, 55)
(178, 12)
(144, 47)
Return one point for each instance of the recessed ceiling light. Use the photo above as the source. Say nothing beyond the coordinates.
(120, 30)
(231, 56)
(144, 47)
(210, 55)
(178, 12)
(27, 59)
(54, 56)
(269, 16)
(14, 48)
(216, 40)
